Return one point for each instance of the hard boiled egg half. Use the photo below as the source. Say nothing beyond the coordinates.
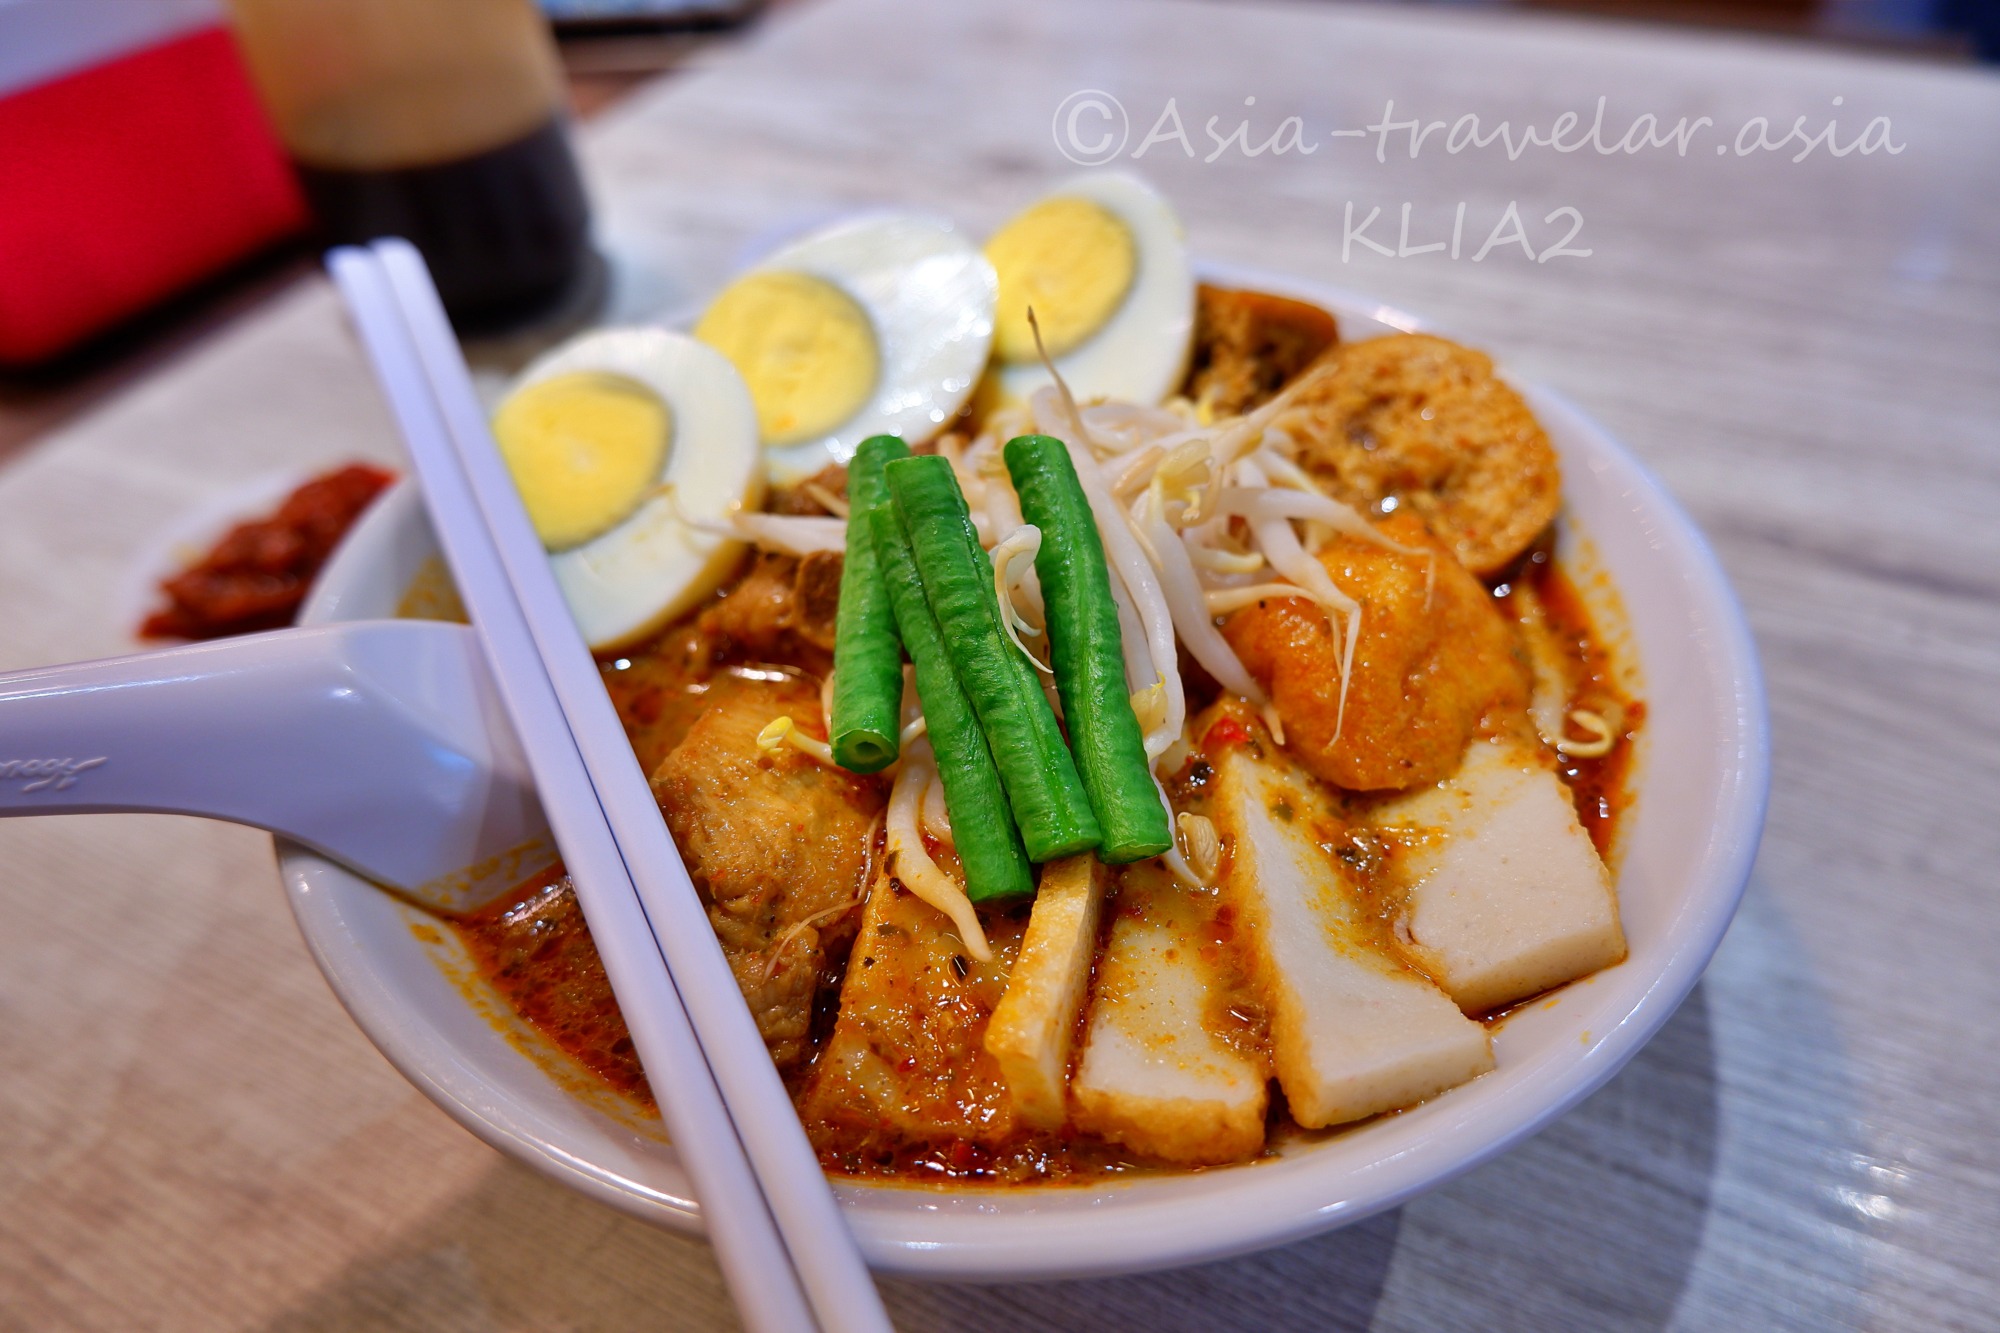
(876, 326)
(1104, 265)
(631, 448)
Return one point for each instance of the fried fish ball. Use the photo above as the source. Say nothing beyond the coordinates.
(1426, 421)
(1426, 670)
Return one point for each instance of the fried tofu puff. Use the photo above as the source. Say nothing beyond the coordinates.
(777, 844)
(1249, 345)
(1425, 671)
(1428, 422)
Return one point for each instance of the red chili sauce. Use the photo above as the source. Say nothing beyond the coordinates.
(256, 577)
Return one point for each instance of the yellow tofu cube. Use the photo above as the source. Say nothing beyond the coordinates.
(1034, 1026)
(905, 1062)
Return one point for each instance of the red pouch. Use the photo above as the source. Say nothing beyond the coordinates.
(130, 180)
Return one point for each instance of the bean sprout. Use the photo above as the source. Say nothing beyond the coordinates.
(1176, 859)
(1138, 473)
(1200, 844)
(935, 813)
(1222, 601)
(1014, 553)
(1218, 561)
(782, 731)
(1182, 588)
(1603, 736)
(1548, 705)
(825, 499)
(1281, 547)
(1150, 705)
(792, 534)
(913, 864)
(1264, 502)
(869, 862)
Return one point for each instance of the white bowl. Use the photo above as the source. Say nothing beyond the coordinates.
(1685, 852)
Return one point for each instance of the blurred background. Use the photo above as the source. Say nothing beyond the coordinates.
(167, 164)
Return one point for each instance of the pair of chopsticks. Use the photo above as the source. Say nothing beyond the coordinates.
(787, 1254)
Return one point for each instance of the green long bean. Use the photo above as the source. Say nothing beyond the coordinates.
(867, 657)
(1087, 652)
(982, 830)
(1050, 805)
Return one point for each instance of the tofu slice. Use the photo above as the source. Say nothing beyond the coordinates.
(1355, 1031)
(905, 1062)
(1158, 1073)
(1506, 895)
(1033, 1028)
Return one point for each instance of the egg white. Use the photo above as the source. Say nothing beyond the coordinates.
(929, 293)
(654, 566)
(1140, 354)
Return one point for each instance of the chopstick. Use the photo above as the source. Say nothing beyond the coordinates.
(789, 1258)
(747, 1244)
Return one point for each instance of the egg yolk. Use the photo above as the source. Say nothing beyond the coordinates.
(804, 347)
(1070, 259)
(586, 449)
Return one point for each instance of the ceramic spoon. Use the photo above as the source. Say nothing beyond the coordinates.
(379, 744)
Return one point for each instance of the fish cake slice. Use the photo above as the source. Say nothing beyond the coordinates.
(1159, 1072)
(1506, 895)
(1355, 1030)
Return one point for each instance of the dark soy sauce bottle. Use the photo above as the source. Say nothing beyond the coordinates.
(436, 120)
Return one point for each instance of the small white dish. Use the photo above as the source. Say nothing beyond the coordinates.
(1685, 852)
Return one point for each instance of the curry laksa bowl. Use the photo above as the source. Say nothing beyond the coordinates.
(1684, 852)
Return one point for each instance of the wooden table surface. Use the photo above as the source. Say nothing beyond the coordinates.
(194, 1136)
